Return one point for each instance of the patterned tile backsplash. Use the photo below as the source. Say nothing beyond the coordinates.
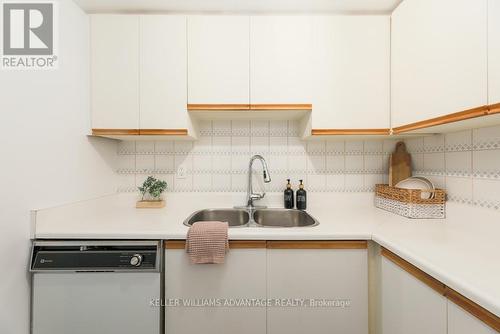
(466, 164)
(218, 160)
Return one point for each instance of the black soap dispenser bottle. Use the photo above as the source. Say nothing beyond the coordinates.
(301, 197)
(288, 196)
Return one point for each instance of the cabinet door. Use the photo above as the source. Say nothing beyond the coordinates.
(462, 322)
(280, 59)
(351, 72)
(494, 51)
(320, 274)
(218, 59)
(439, 63)
(115, 71)
(408, 305)
(242, 276)
(163, 79)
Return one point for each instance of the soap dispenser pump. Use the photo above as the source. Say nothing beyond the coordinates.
(301, 197)
(288, 196)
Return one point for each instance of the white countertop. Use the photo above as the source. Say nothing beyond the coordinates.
(462, 251)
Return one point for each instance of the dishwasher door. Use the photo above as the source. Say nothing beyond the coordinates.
(97, 303)
(97, 287)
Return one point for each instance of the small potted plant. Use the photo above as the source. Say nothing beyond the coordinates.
(151, 191)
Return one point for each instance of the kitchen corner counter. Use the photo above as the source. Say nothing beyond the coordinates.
(462, 251)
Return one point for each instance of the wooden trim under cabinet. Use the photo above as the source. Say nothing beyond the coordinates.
(115, 132)
(350, 132)
(211, 107)
(163, 132)
(414, 271)
(319, 244)
(291, 106)
(446, 119)
(468, 305)
(233, 107)
(233, 244)
(494, 109)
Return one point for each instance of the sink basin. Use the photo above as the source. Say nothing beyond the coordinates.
(235, 217)
(283, 218)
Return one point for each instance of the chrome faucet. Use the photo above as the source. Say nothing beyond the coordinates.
(251, 196)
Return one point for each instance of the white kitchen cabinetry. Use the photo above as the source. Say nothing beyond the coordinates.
(115, 71)
(218, 59)
(163, 66)
(242, 276)
(494, 51)
(321, 274)
(351, 72)
(439, 58)
(462, 322)
(408, 305)
(280, 59)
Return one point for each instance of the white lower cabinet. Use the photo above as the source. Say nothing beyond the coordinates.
(320, 274)
(242, 276)
(408, 305)
(278, 276)
(462, 322)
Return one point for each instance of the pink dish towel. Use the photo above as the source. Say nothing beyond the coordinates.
(207, 242)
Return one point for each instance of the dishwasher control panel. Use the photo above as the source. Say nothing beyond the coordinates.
(95, 256)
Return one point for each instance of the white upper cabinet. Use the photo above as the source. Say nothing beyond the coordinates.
(351, 72)
(494, 51)
(280, 59)
(163, 68)
(218, 58)
(439, 58)
(115, 71)
(408, 305)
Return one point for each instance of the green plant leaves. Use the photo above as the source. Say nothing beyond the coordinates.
(153, 187)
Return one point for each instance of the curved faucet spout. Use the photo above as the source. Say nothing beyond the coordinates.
(251, 196)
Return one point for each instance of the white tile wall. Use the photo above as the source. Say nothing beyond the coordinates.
(465, 163)
(218, 160)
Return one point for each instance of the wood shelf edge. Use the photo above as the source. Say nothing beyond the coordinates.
(468, 305)
(233, 244)
(282, 244)
(446, 119)
(235, 107)
(414, 271)
(290, 106)
(163, 132)
(212, 107)
(139, 132)
(115, 132)
(494, 109)
(350, 132)
(317, 244)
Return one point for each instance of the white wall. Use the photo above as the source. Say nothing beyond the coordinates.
(46, 157)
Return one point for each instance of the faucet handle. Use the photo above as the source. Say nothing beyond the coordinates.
(255, 196)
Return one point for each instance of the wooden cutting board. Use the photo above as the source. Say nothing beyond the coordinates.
(399, 164)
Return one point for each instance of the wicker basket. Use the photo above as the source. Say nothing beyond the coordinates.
(409, 203)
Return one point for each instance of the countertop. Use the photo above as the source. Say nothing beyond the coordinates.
(462, 251)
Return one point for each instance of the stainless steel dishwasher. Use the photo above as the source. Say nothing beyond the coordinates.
(98, 287)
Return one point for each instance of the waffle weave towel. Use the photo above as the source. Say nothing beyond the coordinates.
(207, 242)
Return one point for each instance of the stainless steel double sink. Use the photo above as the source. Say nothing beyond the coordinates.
(257, 217)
